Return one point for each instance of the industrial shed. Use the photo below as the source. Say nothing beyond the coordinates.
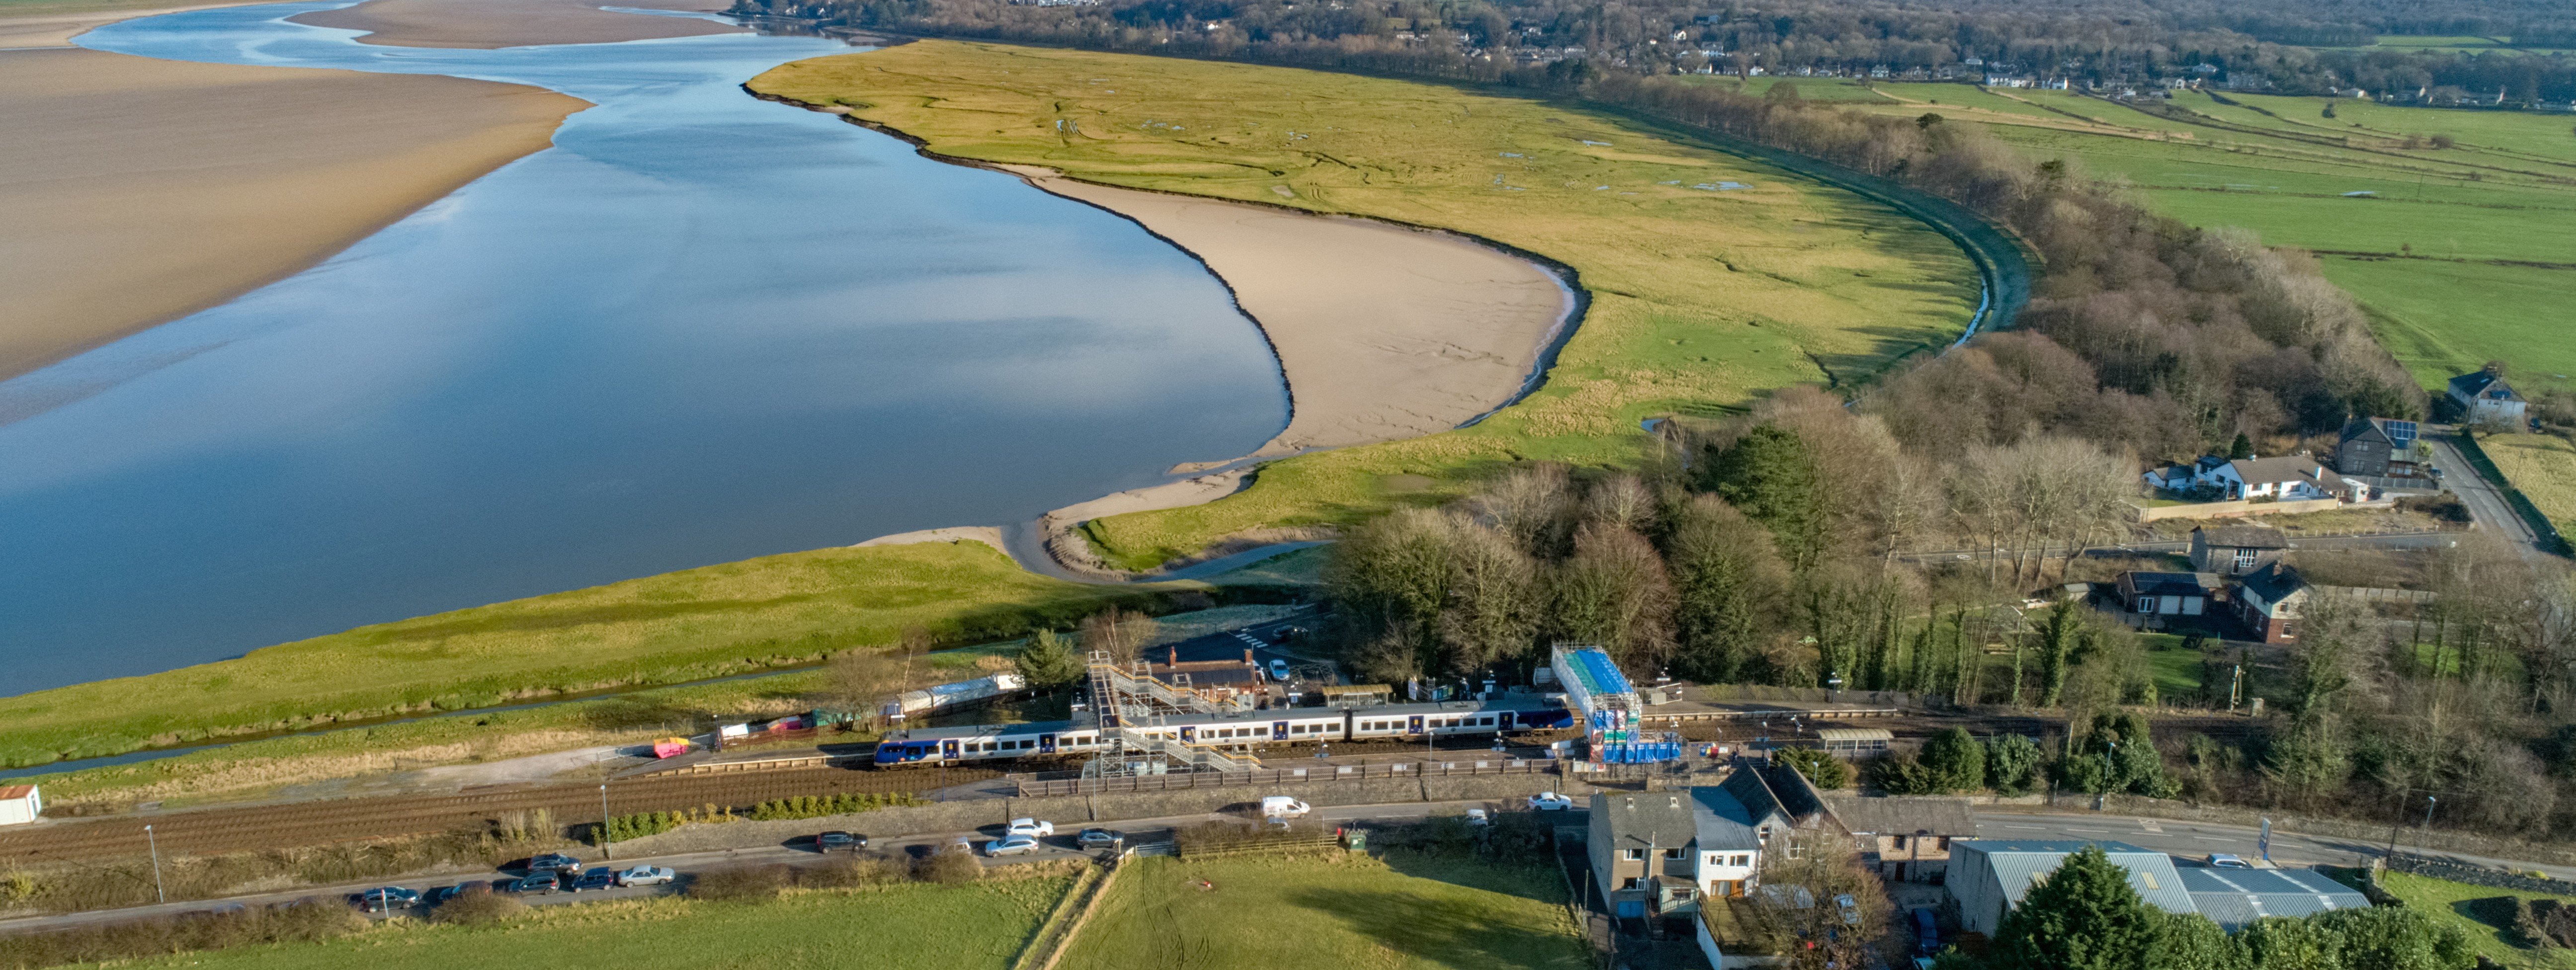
(2234, 897)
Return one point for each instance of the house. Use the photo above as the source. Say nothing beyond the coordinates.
(1640, 843)
(20, 804)
(2377, 447)
(2234, 897)
(2237, 549)
(2168, 594)
(2484, 396)
(1731, 833)
(2269, 600)
(2287, 478)
(1988, 877)
(1906, 839)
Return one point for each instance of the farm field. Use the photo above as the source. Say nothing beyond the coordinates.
(676, 627)
(2446, 901)
(2460, 254)
(910, 926)
(1713, 279)
(2543, 468)
(1408, 912)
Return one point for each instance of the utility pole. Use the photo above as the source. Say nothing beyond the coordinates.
(607, 849)
(154, 843)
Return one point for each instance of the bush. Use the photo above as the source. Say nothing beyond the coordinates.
(1827, 771)
(949, 867)
(746, 883)
(846, 872)
(1899, 773)
(818, 806)
(478, 908)
(298, 922)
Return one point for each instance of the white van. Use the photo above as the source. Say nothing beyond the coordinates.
(1282, 806)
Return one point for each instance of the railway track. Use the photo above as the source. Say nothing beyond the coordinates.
(218, 830)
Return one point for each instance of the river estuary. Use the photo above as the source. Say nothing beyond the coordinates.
(701, 328)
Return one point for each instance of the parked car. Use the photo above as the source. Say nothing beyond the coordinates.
(387, 898)
(541, 884)
(600, 878)
(961, 844)
(1282, 806)
(646, 876)
(1279, 822)
(1927, 931)
(1479, 817)
(553, 862)
(1548, 801)
(1032, 828)
(840, 842)
(2221, 860)
(1014, 844)
(1101, 839)
(1850, 908)
(445, 893)
(1279, 670)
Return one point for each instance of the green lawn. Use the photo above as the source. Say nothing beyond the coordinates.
(911, 926)
(2462, 255)
(2444, 899)
(1348, 912)
(1702, 299)
(672, 628)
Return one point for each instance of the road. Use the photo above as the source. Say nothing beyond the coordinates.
(2389, 540)
(1140, 832)
(2486, 504)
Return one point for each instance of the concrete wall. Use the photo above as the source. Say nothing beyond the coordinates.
(1071, 811)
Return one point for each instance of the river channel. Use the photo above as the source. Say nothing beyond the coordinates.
(701, 328)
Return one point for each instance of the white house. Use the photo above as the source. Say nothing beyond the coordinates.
(2287, 478)
(2484, 396)
(19, 804)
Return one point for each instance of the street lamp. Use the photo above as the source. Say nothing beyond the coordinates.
(155, 845)
(606, 849)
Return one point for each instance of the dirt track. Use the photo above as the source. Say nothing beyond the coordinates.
(211, 831)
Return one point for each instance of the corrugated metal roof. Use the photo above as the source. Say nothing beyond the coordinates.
(1856, 734)
(2235, 897)
(2018, 864)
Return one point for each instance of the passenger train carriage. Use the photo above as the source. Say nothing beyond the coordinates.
(1287, 725)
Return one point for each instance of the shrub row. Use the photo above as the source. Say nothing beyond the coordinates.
(307, 920)
(629, 827)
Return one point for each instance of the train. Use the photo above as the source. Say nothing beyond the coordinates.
(1287, 725)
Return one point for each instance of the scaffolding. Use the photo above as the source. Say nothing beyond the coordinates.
(1131, 706)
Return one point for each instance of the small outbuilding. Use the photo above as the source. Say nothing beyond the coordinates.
(20, 804)
(1855, 742)
(2168, 594)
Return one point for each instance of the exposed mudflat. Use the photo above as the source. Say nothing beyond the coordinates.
(494, 24)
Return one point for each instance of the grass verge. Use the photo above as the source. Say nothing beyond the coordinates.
(1713, 279)
(1404, 910)
(672, 628)
(2543, 468)
(2449, 902)
(906, 926)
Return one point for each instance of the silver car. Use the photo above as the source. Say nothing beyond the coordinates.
(1011, 845)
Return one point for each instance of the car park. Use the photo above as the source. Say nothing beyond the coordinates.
(387, 898)
(646, 876)
(1101, 839)
(600, 878)
(1011, 845)
(2221, 860)
(1548, 801)
(1032, 828)
(542, 884)
(553, 862)
(840, 842)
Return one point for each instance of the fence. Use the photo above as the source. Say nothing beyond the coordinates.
(2240, 508)
(1037, 787)
(2373, 594)
(1056, 935)
(1318, 843)
(1806, 695)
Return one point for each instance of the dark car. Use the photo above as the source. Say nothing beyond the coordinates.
(1101, 839)
(840, 842)
(1927, 932)
(385, 898)
(541, 884)
(600, 878)
(552, 862)
(445, 893)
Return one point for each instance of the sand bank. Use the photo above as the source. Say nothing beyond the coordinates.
(1384, 332)
(488, 24)
(58, 29)
(137, 191)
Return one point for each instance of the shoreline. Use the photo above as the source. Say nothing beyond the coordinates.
(496, 24)
(1315, 356)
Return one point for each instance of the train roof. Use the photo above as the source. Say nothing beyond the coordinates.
(1518, 702)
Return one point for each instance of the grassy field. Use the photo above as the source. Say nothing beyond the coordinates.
(911, 926)
(2444, 899)
(2543, 468)
(1354, 912)
(2462, 255)
(1703, 297)
(667, 629)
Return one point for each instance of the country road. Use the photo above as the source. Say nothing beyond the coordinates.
(2486, 503)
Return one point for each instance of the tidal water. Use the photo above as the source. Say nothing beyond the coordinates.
(701, 328)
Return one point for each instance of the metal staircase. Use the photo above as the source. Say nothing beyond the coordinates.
(1130, 706)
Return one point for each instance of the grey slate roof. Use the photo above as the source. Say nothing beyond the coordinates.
(2140, 582)
(2245, 537)
(2365, 429)
(2017, 863)
(2474, 383)
(1662, 819)
(1905, 815)
(1723, 822)
(2234, 897)
(2273, 582)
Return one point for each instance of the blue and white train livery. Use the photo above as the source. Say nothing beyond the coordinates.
(1288, 725)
